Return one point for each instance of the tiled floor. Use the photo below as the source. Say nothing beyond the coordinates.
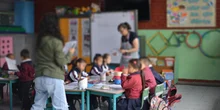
(194, 98)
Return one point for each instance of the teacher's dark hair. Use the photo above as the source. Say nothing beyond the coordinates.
(49, 26)
(124, 25)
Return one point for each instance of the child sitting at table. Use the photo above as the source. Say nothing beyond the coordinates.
(133, 82)
(5, 68)
(106, 62)
(105, 67)
(77, 72)
(149, 80)
(97, 69)
(146, 61)
(75, 75)
(26, 76)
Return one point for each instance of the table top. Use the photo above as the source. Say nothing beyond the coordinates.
(72, 87)
(113, 88)
(10, 78)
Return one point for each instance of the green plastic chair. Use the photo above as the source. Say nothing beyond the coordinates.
(145, 96)
(159, 89)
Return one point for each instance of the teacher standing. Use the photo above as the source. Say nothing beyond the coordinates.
(50, 61)
(129, 44)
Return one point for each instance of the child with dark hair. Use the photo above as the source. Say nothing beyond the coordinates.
(106, 62)
(97, 67)
(75, 75)
(78, 73)
(5, 65)
(133, 82)
(5, 68)
(96, 70)
(26, 76)
(105, 67)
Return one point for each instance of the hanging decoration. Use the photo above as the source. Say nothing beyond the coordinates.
(173, 35)
(202, 50)
(195, 33)
(179, 36)
(157, 52)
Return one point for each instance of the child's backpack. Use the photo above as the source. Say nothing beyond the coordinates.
(172, 97)
(158, 104)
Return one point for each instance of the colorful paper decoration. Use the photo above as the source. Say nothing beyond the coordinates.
(191, 13)
(157, 52)
(6, 47)
(200, 39)
(201, 49)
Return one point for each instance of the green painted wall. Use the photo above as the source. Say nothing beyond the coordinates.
(190, 63)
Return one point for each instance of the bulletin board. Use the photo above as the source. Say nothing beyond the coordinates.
(78, 29)
(105, 37)
(191, 13)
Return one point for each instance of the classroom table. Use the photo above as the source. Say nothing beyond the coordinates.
(10, 81)
(73, 90)
(112, 93)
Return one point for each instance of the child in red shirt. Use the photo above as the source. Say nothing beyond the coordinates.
(26, 76)
(133, 83)
(150, 80)
(149, 77)
(5, 68)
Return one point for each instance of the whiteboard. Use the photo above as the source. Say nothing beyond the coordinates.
(105, 37)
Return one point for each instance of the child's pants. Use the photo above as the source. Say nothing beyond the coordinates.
(1, 91)
(24, 94)
(46, 87)
(94, 101)
(70, 99)
(129, 104)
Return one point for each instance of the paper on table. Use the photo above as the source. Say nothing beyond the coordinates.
(68, 45)
(114, 86)
(11, 64)
(72, 85)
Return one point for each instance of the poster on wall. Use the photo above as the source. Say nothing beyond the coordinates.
(86, 37)
(73, 32)
(191, 13)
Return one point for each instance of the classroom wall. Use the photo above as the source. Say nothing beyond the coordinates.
(44, 6)
(158, 18)
(157, 11)
(190, 63)
(22, 41)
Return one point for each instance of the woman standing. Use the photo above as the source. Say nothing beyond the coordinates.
(50, 61)
(129, 44)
